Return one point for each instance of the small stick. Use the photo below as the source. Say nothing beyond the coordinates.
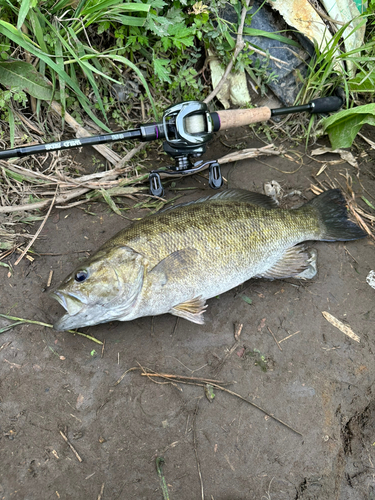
(195, 446)
(249, 153)
(123, 375)
(5, 345)
(175, 326)
(37, 233)
(13, 364)
(347, 251)
(229, 353)
(8, 252)
(50, 278)
(237, 331)
(167, 375)
(71, 446)
(288, 337)
(62, 198)
(103, 348)
(239, 46)
(143, 110)
(101, 491)
(28, 257)
(274, 338)
(214, 384)
(258, 407)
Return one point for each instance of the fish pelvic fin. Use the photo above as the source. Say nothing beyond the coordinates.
(296, 262)
(192, 310)
(333, 215)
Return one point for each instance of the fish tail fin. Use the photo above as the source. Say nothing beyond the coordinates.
(333, 214)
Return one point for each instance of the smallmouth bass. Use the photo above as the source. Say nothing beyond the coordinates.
(176, 259)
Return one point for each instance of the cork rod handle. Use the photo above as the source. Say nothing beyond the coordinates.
(233, 118)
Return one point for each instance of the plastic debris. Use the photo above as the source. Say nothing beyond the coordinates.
(370, 279)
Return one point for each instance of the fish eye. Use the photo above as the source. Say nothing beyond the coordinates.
(81, 275)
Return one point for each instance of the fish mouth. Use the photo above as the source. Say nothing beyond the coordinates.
(74, 308)
(72, 304)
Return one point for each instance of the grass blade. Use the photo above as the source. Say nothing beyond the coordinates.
(102, 7)
(60, 63)
(23, 41)
(111, 203)
(20, 321)
(24, 9)
(267, 34)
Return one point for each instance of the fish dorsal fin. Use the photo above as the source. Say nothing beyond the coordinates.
(244, 196)
(296, 262)
(192, 310)
(239, 195)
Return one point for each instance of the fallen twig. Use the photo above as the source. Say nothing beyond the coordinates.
(239, 46)
(288, 337)
(229, 353)
(101, 492)
(237, 331)
(49, 281)
(62, 198)
(71, 446)
(182, 377)
(185, 380)
(5, 345)
(195, 446)
(37, 233)
(274, 338)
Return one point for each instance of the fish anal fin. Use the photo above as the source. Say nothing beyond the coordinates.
(192, 310)
(296, 262)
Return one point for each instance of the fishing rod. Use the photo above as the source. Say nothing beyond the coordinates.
(186, 128)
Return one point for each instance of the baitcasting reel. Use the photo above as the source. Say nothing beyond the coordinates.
(187, 128)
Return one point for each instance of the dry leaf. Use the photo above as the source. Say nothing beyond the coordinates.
(345, 155)
(80, 400)
(262, 324)
(343, 328)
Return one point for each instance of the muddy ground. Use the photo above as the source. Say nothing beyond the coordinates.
(318, 381)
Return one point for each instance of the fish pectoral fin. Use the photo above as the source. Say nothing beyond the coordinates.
(296, 262)
(176, 264)
(192, 310)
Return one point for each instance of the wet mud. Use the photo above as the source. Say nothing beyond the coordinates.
(289, 360)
